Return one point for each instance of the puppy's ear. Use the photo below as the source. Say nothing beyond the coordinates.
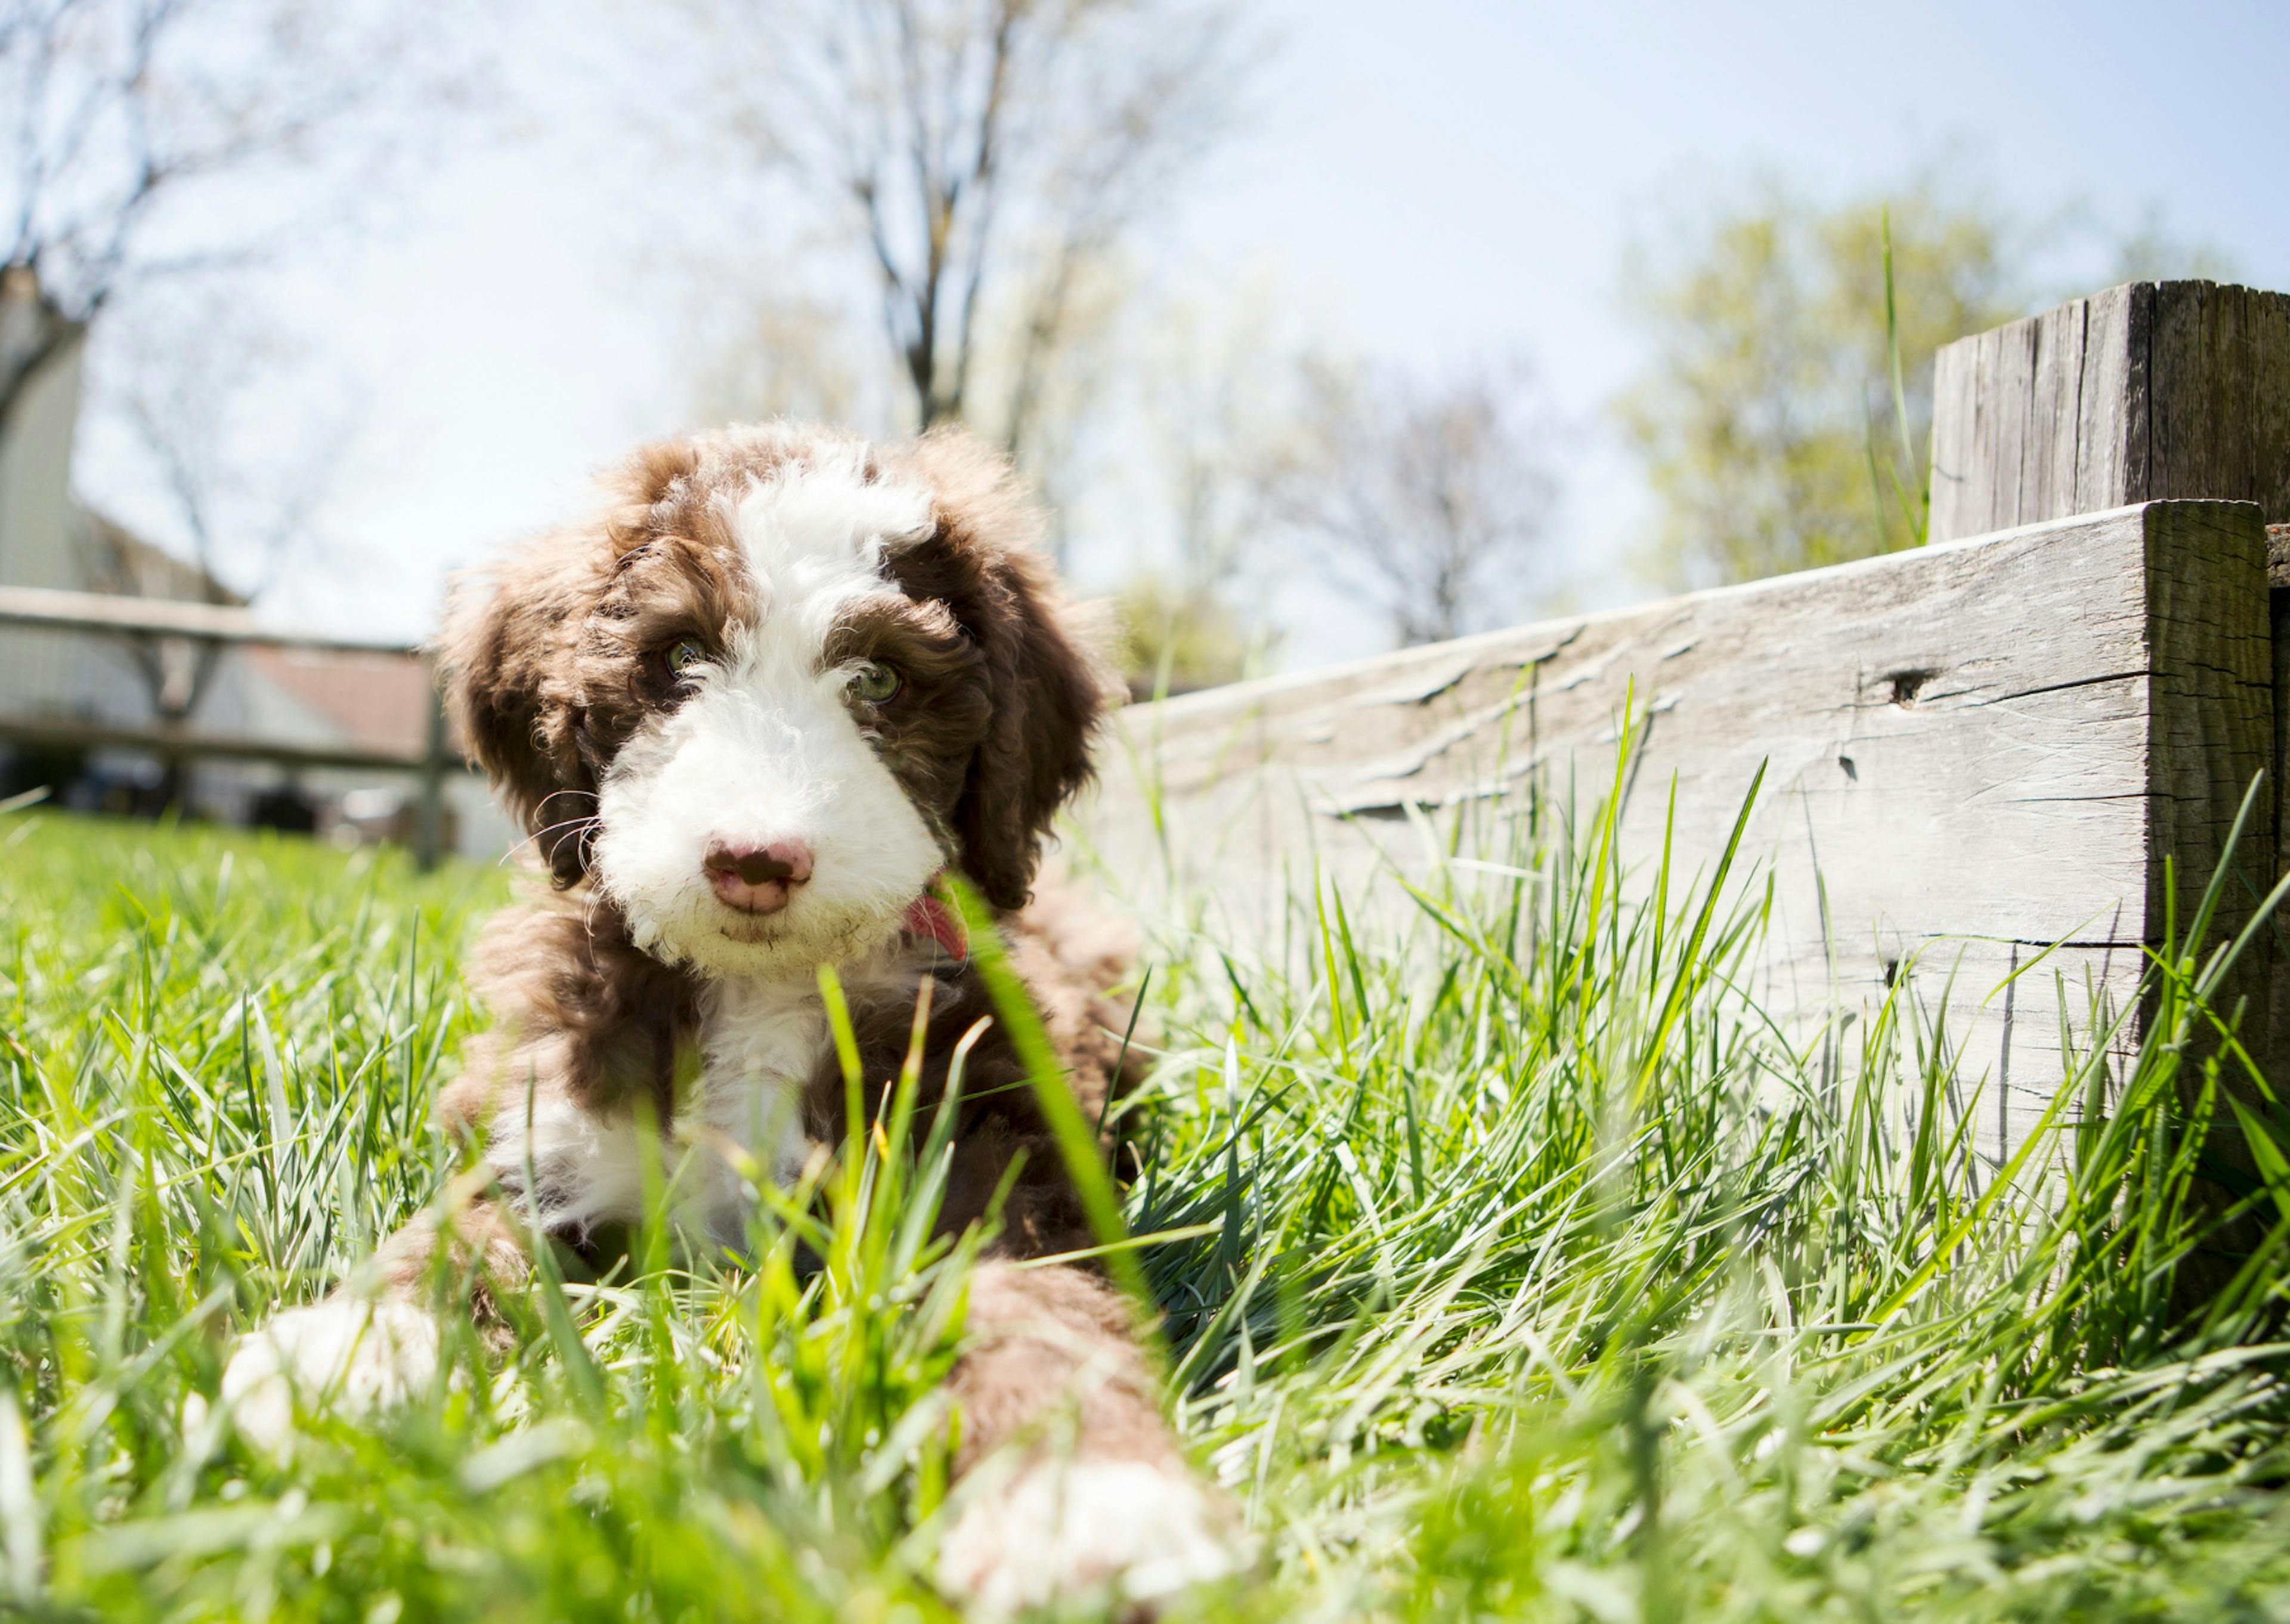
(1048, 697)
(507, 658)
(511, 654)
(1046, 687)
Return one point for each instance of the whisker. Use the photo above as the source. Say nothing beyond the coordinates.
(591, 819)
(588, 795)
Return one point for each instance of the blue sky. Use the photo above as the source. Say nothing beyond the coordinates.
(1475, 183)
(1442, 181)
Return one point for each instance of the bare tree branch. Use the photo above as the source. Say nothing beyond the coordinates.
(241, 484)
(984, 152)
(1436, 498)
(121, 108)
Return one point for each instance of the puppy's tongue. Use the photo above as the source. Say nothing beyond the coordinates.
(930, 918)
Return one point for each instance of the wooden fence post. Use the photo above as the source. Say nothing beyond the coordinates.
(2151, 392)
(429, 805)
(2148, 391)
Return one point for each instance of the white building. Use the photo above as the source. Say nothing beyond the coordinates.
(55, 683)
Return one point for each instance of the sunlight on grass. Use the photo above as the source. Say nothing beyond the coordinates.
(1524, 1269)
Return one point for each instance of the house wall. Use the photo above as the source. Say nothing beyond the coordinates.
(38, 521)
(36, 448)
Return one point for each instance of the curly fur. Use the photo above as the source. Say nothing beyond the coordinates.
(678, 671)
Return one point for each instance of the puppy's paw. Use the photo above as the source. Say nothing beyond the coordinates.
(356, 1356)
(1066, 1529)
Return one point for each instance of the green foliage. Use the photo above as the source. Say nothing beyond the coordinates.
(1176, 638)
(1773, 375)
(1514, 1264)
(1785, 421)
(1550, 1280)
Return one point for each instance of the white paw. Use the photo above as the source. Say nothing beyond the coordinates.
(354, 1357)
(1063, 1529)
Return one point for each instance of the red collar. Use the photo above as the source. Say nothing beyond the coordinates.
(932, 920)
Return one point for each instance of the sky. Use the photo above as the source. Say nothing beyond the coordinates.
(1442, 181)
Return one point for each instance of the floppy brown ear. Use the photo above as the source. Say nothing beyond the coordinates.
(1046, 687)
(507, 656)
(509, 653)
(1047, 697)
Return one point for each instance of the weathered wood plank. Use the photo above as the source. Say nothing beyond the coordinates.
(77, 735)
(2211, 701)
(2269, 402)
(2146, 392)
(2277, 575)
(2047, 476)
(1978, 750)
(159, 617)
(2110, 425)
(1956, 375)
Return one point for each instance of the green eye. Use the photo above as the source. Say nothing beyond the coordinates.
(686, 655)
(874, 684)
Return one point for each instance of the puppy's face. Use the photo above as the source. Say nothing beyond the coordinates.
(762, 701)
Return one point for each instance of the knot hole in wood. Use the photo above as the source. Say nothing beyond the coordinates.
(1908, 684)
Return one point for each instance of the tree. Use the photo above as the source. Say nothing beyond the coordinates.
(1768, 420)
(1771, 383)
(771, 351)
(237, 467)
(1176, 641)
(985, 158)
(1435, 496)
(1212, 451)
(123, 114)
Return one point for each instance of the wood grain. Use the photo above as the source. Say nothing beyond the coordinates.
(1976, 752)
(2148, 391)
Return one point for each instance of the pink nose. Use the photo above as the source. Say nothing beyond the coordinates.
(757, 879)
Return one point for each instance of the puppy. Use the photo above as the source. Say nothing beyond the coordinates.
(749, 712)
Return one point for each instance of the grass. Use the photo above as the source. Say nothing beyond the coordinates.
(1523, 1269)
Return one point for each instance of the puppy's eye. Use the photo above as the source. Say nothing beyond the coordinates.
(875, 684)
(686, 654)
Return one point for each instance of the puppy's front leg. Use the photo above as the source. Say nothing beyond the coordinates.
(1075, 1483)
(375, 1341)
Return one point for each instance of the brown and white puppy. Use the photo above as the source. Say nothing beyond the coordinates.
(749, 712)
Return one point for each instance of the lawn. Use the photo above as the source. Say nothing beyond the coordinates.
(1514, 1264)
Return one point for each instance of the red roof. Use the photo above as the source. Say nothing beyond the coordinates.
(381, 701)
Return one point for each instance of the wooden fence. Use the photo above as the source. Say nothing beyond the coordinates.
(1975, 752)
(145, 617)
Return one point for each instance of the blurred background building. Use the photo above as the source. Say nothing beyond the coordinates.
(55, 684)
